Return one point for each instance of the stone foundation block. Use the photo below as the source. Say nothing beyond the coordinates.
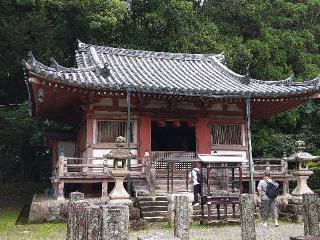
(93, 223)
(247, 220)
(158, 237)
(115, 222)
(76, 220)
(182, 217)
(305, 238)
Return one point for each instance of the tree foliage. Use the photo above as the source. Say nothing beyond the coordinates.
(272, 39)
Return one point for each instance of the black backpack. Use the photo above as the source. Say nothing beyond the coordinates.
(198, 175)
(272, 190)
(199, 180)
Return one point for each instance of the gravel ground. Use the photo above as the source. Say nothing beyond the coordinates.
(229, 232)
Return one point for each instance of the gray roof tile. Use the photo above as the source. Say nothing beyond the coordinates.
(106, 68)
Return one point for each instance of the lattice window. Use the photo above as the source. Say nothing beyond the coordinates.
(107, 131)
(228, 134)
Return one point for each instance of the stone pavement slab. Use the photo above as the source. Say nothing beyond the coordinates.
(284, 231)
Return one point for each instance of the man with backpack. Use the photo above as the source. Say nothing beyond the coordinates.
(268, 192)
(196, 180)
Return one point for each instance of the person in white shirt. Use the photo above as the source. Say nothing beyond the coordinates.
(196, 180)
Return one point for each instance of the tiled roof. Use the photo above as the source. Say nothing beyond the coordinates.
(106, 68)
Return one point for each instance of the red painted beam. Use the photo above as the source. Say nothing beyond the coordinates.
(203, 136)
(144, 135)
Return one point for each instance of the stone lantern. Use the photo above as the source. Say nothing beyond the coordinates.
(120, 155)
(302, 171)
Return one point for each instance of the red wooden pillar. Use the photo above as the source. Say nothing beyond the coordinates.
(144, 135)
(89, 140)
(203, 136)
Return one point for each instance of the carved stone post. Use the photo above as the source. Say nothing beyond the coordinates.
(76, 196)
(61, 163)
(60, 194)
(76, 220)
(248, 231)
(182, 217)
(115, 222)
(285, 186)
(105, 166)
(310, 215)
(93, 223)
(104, 193)
(60, 184)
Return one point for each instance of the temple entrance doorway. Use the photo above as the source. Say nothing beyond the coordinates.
(173, 136)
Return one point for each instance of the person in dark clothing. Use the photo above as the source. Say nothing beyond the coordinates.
(267, 204)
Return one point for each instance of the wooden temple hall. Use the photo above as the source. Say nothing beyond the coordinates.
(169, 105)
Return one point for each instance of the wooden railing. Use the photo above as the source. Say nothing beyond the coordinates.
(158, 157)
(77, 167)
(277, 166)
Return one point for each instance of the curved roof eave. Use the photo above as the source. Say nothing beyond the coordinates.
(112, 71)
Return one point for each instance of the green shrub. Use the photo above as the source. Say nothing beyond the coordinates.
(313, 164)
(317, 191)
(314, 180)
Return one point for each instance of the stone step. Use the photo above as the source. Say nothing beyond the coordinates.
(153, 203)
(145, 209)
(214, 219)
(162, 191)
(143, 192)
(153, 209)
(161, 198)
(149, 198)
(144, 198)
(141, 188)
(140, 184)
(175, 181)
(155, 214)
(175, 186)
(215, 214)
(155, 219)
(213, 208)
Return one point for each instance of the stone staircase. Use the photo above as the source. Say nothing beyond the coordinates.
(153, 209)
(226, 214)
(141, 186)
(179, 185)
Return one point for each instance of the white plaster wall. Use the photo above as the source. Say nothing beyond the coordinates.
(234, 107)
(123, 103)
(157, 104)
(113, 114)
(67, 147)
(105, 102)
(229, 154)
(216, 107)
(186, 105)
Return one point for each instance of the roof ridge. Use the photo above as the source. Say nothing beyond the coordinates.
(217, 59)
(284, 82)
(289, 82)
(315, 81)
(152, 54)
(31, 63)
